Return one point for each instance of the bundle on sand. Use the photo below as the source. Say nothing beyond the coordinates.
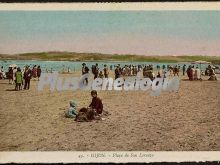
(89, 114)
(213, 78)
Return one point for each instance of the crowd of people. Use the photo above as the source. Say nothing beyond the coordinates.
(194, 73)
(210, 71)
(21, 77)
(147, 71)
(130, 70)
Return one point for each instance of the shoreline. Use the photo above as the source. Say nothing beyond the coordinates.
(91, 57)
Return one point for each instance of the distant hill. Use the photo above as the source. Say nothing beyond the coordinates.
(72, 56)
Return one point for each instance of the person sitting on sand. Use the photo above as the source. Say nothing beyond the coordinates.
(71, 113)
(87, 114)
(212, 74)
(96, 102)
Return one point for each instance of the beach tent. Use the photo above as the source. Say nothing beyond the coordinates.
(201, 62)
(13, 65)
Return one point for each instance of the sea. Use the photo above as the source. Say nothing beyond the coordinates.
(77, 65)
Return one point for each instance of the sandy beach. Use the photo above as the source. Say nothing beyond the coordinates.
(187, 120)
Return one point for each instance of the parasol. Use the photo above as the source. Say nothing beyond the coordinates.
(13, 65)
(201, 62)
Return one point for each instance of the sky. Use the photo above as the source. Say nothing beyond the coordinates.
(112, 32)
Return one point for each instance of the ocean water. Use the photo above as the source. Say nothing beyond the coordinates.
(76, 66)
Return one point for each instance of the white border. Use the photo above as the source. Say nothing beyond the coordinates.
(67, 157)
(79, 157)
(112, 6)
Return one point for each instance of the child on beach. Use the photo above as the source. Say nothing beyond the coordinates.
(18, 79)
(96, 102)
(71, 113)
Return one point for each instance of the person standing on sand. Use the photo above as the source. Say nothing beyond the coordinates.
(191, 72)
(145, 72)
(101, 75)
(2, 73)
(187, 71)
(132, 70)
(34, 72)
(14, 71)
(18, 80)
(184, 69)
(135, 70)
(197, 74)
(117, 72)
(96, 71)
(175, 71)
(38, 72)
(27, 77)
(68, 70)
(96, 102)
(85, 70)
(212, 75)
(106, 72)
(158, 74)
